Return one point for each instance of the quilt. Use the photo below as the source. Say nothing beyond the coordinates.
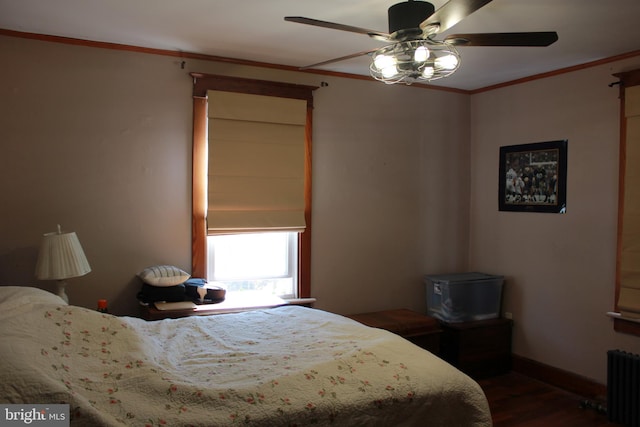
(286, 366)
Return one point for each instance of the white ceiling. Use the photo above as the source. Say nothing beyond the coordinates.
(255, 30)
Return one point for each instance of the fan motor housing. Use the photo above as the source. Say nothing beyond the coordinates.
(408, 15)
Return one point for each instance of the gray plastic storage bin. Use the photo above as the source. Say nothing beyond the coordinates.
(464, 297)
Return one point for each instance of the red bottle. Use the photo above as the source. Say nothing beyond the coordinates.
(102, 306)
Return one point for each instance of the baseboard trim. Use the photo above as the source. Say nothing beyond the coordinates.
(565, 380)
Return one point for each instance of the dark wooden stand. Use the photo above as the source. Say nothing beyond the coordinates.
(480, 349)
(418, 328)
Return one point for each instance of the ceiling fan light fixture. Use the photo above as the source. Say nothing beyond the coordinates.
(413, 54)
(414, 61)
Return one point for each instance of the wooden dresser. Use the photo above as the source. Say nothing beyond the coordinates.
(480, 349)
(418, 328)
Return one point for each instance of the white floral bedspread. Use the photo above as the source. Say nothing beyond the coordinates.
(289, 366)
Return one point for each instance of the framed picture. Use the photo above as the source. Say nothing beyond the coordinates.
(533, 177)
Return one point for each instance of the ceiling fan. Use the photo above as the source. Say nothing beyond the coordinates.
(413, 54)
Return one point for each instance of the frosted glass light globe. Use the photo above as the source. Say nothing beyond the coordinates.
(447, 62)
(421, 54)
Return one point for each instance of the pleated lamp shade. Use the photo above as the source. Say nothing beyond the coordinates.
(61, 257)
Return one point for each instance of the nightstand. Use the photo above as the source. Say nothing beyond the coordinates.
(480, 349)
(418, 328)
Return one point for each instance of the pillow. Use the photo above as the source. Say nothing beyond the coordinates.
(15, 300)
(163, 275)
(16, 295)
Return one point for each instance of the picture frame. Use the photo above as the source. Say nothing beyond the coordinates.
(533, 177)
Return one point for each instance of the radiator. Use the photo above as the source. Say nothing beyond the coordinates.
(623, 388)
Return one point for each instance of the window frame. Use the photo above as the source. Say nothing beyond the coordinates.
(201, 84)
(627, 79)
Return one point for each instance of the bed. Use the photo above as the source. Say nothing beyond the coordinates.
(284, 366)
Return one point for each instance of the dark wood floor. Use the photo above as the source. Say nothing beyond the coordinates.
(517, 400)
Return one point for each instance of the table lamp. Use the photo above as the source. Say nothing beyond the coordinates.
(61, 257)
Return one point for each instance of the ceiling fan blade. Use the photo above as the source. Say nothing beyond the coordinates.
(342, 58)
(541, 38)
(332, 25)
(451, 13)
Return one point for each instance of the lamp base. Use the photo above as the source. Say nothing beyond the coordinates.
(61, 293)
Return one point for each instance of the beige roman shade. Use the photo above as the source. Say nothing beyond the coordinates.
(629, 297)
(256, 163)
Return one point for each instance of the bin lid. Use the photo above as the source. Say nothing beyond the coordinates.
(462, 277)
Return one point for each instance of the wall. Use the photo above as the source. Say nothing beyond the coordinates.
(560, 269)
(390, 203)
(100, 142)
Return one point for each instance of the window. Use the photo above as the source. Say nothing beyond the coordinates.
(627, 290)
(255, 262)
(215, 255)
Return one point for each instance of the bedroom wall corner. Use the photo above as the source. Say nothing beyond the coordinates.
(560, 269)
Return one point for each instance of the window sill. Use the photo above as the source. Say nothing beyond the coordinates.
(232, 304)
(626, 325)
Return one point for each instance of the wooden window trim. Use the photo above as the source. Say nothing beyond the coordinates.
(627, 79)
(201, 84)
